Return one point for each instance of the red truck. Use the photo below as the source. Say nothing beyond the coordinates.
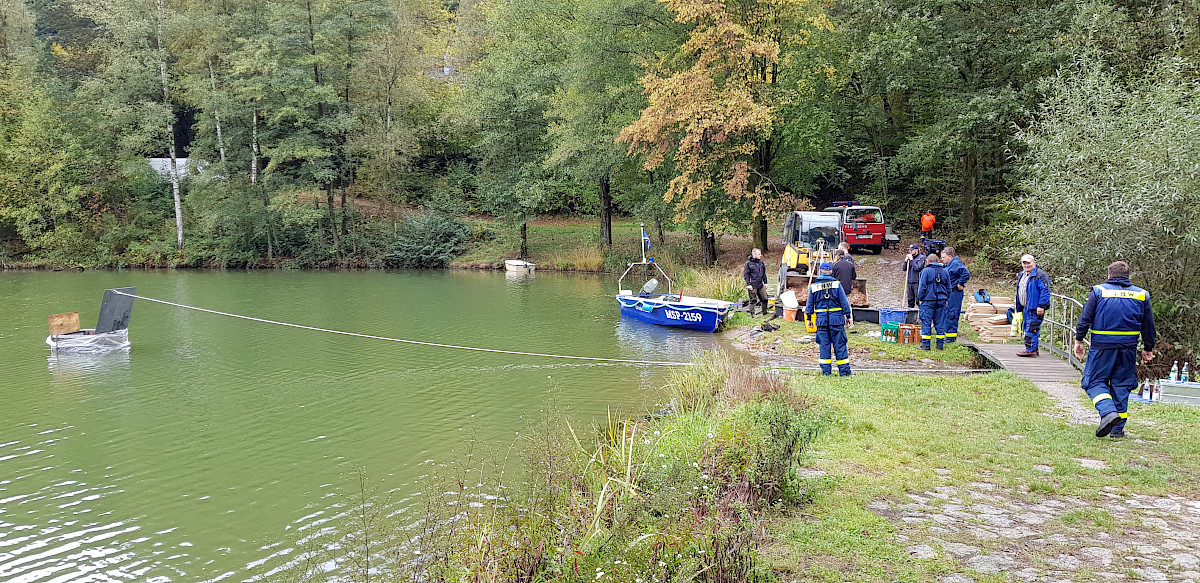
(863, 226)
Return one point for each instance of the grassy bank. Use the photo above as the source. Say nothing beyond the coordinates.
(671, 497)
(792, 339)
(680, 495)
(751, 476)
(571, 245)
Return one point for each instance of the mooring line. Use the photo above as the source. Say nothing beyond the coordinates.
(498, 351)
(402, 340)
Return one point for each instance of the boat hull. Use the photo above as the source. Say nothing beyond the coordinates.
(517, 265)
(688, 313)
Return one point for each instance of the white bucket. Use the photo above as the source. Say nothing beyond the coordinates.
(789, 299)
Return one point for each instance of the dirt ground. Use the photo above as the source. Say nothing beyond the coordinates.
(885, 280)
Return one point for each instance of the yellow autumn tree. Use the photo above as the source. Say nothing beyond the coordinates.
(713, 105)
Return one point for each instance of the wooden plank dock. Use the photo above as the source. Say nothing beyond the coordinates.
(1045, 368)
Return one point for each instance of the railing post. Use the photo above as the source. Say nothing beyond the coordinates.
(1064, 313)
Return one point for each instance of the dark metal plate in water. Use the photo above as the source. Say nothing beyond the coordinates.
(115, 309)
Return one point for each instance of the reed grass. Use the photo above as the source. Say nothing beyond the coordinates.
(588, 258)
(712, 283)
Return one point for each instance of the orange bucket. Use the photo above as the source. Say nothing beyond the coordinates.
(789, 314)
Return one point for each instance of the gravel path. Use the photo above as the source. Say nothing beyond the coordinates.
(1069, 402)
(980, 531)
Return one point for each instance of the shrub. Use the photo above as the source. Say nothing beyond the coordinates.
(428, 240)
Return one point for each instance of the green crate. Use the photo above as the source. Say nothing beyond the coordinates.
(889, 332)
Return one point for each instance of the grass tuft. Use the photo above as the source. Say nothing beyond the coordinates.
(579, 259)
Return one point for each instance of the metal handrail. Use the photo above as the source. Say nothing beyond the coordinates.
(1058, 328)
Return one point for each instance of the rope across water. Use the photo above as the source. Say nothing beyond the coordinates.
(493, 350)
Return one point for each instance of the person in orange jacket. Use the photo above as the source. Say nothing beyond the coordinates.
(927, 221)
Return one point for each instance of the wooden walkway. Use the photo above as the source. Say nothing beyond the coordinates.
(1045, 368)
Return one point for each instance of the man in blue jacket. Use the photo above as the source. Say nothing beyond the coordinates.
(1116, 312)
(932, 293)
(1033, 299)
(959, 276)
(828, 302)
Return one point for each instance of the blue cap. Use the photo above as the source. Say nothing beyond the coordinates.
(914, 246)
(826, 265)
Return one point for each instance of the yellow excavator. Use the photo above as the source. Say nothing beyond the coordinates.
(810, 239)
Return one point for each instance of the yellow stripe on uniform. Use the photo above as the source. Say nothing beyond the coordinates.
(845, 361)
(1123, 415)
(940, 336)
(829, 309)
(825, 360)
(1100, 397)
(926, 337)
(952, 335)
(1117, 332)
(1123, 293)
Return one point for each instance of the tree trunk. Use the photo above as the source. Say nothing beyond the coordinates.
(175, 187)
(524, 240)
(605, 211)
(662, 240)
(212, 79)
(254, 149)
(970, 188)
(344, 231)
(708, 246)
(166, 89)
(760, 233)
(333, 228)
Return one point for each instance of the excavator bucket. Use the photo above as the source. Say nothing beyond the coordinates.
(858, 293)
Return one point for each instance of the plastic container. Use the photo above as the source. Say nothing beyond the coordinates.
(889, 332)
(789, 299)
(892, 315)
(789, 314)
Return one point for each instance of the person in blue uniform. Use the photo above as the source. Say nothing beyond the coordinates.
(1116, 312)
(913, 263)
(828, 302)
(959, 276)
(932, 293)
(1033, 299)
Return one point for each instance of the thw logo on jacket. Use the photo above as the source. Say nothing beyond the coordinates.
(828, 301)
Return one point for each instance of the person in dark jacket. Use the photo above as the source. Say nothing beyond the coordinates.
(828, 302)
(843, 269)
(932, 293)
(1116, 312)
(913, 264)
(959, 276)
(1033, 299)
(755, 274)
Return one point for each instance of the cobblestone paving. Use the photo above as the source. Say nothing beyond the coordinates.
(980, 530)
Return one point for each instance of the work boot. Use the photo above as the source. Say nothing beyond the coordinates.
(1117, 433)
(1106, 424)
(1028, 354)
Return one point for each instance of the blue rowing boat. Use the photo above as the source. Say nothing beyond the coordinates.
(677, 310)
(669, 309)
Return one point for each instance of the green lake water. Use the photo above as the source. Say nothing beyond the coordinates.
(214, 447)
